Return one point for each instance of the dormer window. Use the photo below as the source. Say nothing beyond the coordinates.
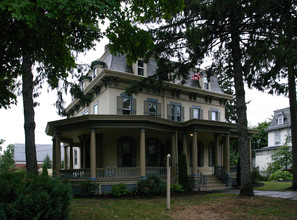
(280, 119)
(206, 83)
(94, 71)
(140, 68)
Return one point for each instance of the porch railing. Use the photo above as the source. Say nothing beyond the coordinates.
(160, 171)
(75, 174)
(117, 172)
(223, 175)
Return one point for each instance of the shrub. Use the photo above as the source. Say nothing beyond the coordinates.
(183, 177)
(256, 177)
(176, 188)
(281, 175)
(25, 196)
(151, 186)
(119, 190)
(88, 188)
(44, 171)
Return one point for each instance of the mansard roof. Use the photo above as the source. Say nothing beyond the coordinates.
(119, 63)
(285, 113)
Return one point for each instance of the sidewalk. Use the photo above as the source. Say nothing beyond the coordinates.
(292, 195)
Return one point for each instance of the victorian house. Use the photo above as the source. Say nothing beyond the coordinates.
(114, 138)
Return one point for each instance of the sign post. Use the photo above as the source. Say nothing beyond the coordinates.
(168, 183)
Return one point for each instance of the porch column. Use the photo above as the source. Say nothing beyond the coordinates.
(65, 157)
(71, 157)
(217, 150)
(54, 158)
(58, 156)
(185, 147)
(227, 154)
(250, 146)
(84, 153)
(93, 155)
(194, 155)
(142, 153)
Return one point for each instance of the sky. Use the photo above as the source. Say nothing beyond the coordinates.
(259, 109)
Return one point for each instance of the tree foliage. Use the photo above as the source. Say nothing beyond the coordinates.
(183, 177)
(273, 56)
(260, 139)
(7, 159)
(281, 160)
(45, 35)
(47, 162)
(216, 30)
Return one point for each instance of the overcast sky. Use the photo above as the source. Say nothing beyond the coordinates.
(259, 109)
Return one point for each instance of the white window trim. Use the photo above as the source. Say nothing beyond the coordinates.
(96, 104)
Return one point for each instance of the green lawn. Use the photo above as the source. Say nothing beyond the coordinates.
(274, 186)
(209, 206)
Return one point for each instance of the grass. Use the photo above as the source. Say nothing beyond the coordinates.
(209, 206)
(274, 186)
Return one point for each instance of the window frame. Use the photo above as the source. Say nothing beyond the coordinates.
(280, 119)
(205, 83)
(174, 106)
(217, 114)
(192, 112)
(75, 156)
(96, 108)
(277, 137)
(140, 68)
(120, 105)
(123, 158)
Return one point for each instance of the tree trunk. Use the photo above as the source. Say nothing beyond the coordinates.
(29, 124)
(293, 111)
(246, 188)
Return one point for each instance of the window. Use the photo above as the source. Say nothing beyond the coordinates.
(206, 83)
(152, 107)
(94, 73)
(82, 85)
(126, 152)
(214, 115)
(152, 153)
(95, 108)
(175, 112)
(196, 112)
(211, 154)
(75, 156)
(280, 119)
(140, 68)
(126, 105)
(200, 154)
(277, 137)
(85, 112)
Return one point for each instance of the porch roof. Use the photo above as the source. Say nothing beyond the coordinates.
(139, 121)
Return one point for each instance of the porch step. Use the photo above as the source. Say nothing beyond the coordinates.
(214, 183)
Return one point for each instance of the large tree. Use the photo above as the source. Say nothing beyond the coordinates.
(215, 29)
(38, 42)
(274, 55)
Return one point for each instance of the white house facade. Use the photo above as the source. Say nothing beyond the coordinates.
(279, 134)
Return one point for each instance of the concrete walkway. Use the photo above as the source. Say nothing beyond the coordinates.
(292, 195)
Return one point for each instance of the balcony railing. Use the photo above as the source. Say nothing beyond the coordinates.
(117, 172)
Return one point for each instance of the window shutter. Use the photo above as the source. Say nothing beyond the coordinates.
(191, 113)
(119, 105)
(159, 109)
(146, 110)
(133, 106)
(209, 115)
(169, 111)
(219, 116)
(182, 113)
(201, 113)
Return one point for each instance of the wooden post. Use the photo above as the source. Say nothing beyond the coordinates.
(168, 184)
